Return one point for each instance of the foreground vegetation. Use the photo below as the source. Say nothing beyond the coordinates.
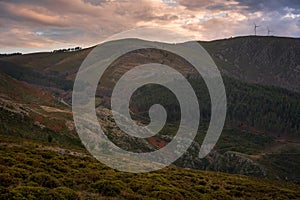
(31, 170)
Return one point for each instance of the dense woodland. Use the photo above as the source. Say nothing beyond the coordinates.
(265, 108)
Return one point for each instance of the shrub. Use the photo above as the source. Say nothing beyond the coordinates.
(44, 180)
(33, 184)
(68, 182)
(50, 138)
(64, 193)
(201, 189)
(18, 172)
(109, 188)
(7, 180)
(94, 175)
(4, 193)
(25, 167)
(166, 192)
(214, 187)
(165, 195)
(32, 193)
(7, 161)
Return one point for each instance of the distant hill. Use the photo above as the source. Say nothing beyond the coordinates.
(254, 59)
(259, 59)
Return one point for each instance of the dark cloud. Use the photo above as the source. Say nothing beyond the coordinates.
(96, 2)
(101, 2)
(249, 5)
(195, 4)
(269, 5)
(167, 17)
(209, 4)
(220, 6)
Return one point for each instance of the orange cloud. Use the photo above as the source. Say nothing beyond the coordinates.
(35, 14)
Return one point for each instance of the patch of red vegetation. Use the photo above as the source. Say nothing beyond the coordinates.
(157, 143)
(56, 127)
(38, 118)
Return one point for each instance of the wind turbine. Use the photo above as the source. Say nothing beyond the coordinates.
(255, 27)
(269, 31)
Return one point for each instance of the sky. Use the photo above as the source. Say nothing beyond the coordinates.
(45, 25)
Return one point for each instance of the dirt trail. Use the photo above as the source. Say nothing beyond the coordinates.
(52, 109)
(57, 150)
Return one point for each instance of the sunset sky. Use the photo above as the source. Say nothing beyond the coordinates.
(44, 25)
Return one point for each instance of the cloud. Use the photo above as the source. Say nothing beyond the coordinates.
(37, 15)
(53, 23)
(264, 5)
(63, 20)
(211, 5)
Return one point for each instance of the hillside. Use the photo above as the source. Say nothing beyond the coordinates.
(31, 113)
(261, 137)
(12, 89)
(38, 161)
(262, 154)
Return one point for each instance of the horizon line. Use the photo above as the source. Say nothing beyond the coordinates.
(89, 47)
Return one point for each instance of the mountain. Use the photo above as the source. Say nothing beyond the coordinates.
(264, 60)
(261, 137)
(272, 61)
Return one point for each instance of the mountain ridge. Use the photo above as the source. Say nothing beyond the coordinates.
(252, 59)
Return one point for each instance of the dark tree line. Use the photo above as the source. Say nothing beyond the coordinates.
(10, 54)
(265, 108)
(34, 77)
(67, 50)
